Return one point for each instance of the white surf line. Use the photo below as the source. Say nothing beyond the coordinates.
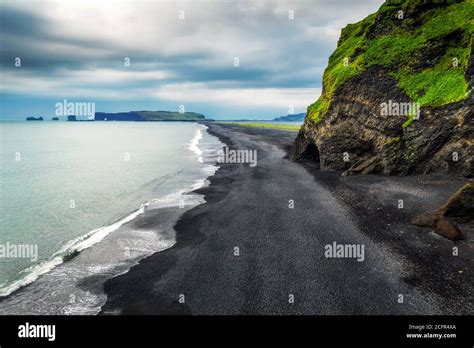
(77, 244)
(193, 144)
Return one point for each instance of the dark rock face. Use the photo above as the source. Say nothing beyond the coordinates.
(354, 136)
(441, 141)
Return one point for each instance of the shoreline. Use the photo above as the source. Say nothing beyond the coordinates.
(180, 233)
(201, 265)
(158, 214)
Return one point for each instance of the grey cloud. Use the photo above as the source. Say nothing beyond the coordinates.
(274, 51)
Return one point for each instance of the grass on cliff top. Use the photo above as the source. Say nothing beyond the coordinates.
(435, 86)
(287, 127)
(400, 50)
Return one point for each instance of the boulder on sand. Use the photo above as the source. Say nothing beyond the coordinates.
(448, 230)
(459, 208)
(429, 219)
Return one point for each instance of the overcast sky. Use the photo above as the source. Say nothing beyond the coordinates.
(75, 50)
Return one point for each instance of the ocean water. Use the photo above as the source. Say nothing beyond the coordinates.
(69, 187)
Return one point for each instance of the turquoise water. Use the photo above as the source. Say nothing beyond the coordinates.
(64, 186)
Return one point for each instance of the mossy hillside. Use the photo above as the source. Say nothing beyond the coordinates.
(401, 50)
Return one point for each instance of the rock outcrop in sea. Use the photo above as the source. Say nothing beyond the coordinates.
(397, 94)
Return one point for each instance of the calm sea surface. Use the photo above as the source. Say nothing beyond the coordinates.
(65, 186)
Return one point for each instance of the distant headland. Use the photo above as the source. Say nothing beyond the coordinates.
(140, 116)
(149, 116)
(291, 118)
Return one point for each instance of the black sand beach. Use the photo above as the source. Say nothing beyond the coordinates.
(281, 250)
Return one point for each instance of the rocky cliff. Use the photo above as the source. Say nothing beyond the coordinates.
(396, 95)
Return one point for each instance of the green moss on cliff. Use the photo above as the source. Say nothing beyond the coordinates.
(434, 86)
(340, 67)
(317, 110)
(405, 48)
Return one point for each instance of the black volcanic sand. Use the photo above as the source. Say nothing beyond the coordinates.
(281, 250)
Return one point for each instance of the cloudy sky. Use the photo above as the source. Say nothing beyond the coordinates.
(76, 50)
